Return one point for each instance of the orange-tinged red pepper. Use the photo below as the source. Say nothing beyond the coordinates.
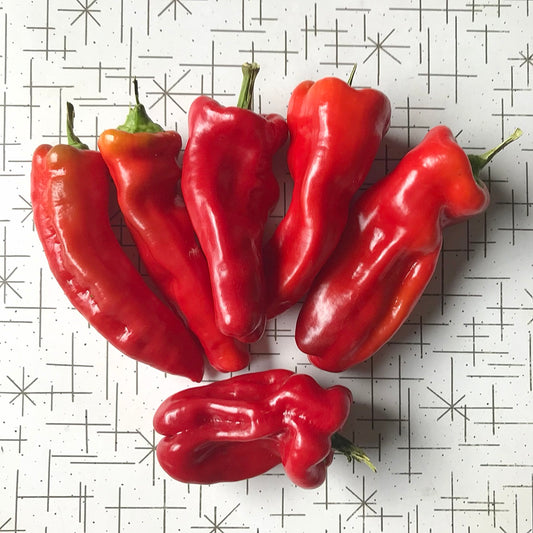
(142, 159)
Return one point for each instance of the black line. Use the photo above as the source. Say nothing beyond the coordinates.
(5, 47)
(48, 481)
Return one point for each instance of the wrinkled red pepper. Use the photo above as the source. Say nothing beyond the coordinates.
(335, 133)
(142, 160)
(70, 195)
(389, 250)
(243, 426)
(229, 189)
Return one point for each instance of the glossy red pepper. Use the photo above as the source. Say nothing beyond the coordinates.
(229, 189)
(70, 195)
(389, 250)
(142, 160)
(335, 132)
(243, 426)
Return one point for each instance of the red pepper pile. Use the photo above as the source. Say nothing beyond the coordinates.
(358, 264)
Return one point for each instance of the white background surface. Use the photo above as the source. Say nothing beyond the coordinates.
(444, 410)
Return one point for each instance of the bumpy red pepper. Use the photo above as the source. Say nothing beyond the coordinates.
(229, 189)
(142, 160)
(335, 133)
(243, 426)
(389, 251)
(70, 195)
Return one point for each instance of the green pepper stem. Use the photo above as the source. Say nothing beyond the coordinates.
(350, 450)
(249, 73)
(352, 74)
(138, 120)
(478, 162)
(73, 139)
(136, 91)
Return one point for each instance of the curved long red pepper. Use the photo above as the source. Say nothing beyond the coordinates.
(142, 160)
(70, 195)
(335, 133)
(243, 426)
(229, 189)
(389, 250)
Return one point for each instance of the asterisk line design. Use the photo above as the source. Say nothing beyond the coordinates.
(166, 93)
(217, 525)
(364, 503)
(6, 282)
(449, 406)
(21, 391)
(28, 208)
(6, 277)
(151, 447)
(85, 11)
(380, 46)
(174, 4)
(525, 59)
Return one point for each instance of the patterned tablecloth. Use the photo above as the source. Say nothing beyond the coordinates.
(445, 410)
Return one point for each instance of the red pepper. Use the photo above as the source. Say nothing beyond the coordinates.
(142, 159)
(70, 195)
(389, 251)
(335, 133)
(243, 426)
(229, 189)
